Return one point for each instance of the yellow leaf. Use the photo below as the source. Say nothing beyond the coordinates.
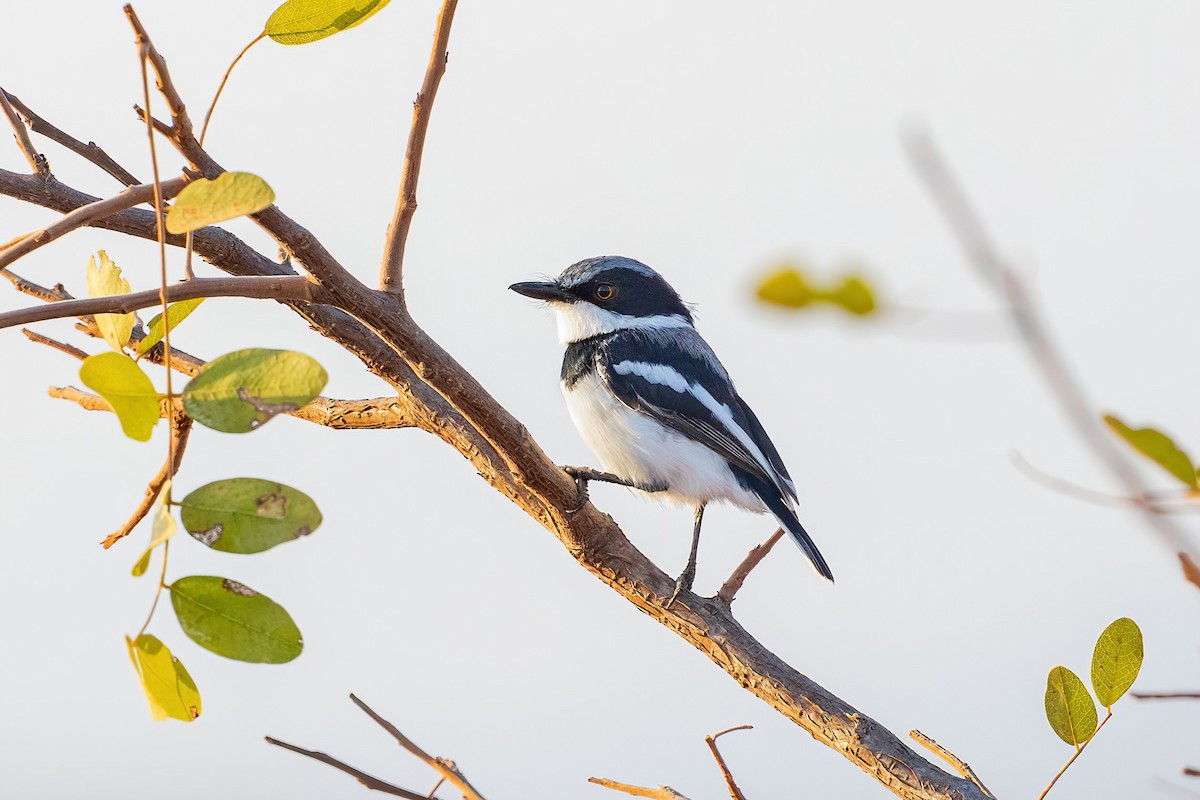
(104, 281)
(204, 202)
(304, 21)
(168, 687)
(164, 528)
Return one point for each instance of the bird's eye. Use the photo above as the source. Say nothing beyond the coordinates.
(606, 292)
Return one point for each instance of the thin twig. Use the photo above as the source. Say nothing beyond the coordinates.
(961, 766)
(225, 79)
(711, 741)
(1191, 570)
(53, 295)
(391, 272)
(82, 217)
(444, 767)
(968, 228)
(757, 553)
(89, 151)
(436, 786)
(284, 288)
(179, 115)
(1166, 695)
(69, 349)
(366, 780)
(36, 160)
(659, 793)
(180, 431)
(1078, 752)
(1191, 771)
(1157, 503)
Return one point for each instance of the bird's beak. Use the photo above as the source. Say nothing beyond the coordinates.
(540, 290)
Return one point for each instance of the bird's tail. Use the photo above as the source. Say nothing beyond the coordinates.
(788, 520)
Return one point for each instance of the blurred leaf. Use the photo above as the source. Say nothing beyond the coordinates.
(164, 528)
(1116, 660)
(787, 287)
(248, 515)
(1157, 447)
(169, 689)
(304, 21)
(239, 391)
(104, 281)
(127, 389)
(203, 202)
(1069, 707)
(176, 313)
(854, 295)
(234, 621)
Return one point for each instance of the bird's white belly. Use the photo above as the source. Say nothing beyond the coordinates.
(636, 447)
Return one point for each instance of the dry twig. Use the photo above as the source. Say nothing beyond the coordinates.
(89, 151)
(659, 793)
(180, 431)
(733, 583)
(366, 780)
(961, 766)
(711, 741)
(37, 161)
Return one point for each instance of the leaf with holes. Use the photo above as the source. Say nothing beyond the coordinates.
(176, 313)
(233, 620)
(164, 528)
(248, 515)
(203, 202)
(304, 21)
(1157, 447)
(1069, 707)
(1116, 660)
(169, 689)
(127, 389)
(104, 281)
(240, 391)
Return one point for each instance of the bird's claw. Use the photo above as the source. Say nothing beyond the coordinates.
(682, 584)
(581, 487)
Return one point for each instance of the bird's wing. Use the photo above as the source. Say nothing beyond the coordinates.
(686, 389)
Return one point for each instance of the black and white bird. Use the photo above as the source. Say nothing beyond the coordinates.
(654, 403)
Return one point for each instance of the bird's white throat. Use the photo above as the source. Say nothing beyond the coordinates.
(578, 321)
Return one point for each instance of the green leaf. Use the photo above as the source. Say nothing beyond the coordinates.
(164, 528)
(169, 689)
(1069, 707)
(787, 287)
(239, 391)
(176, 313)
(248, 515)
(104, 281)
(203, 202)
(854, 295)
(1116, 660)
(234, 621)
(304, 21)
(127, 389)
(1157, 447)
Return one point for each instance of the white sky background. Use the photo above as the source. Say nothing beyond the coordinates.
(709, 140)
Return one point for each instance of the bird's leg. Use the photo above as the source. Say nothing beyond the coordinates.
(584, 474)
(689, 572)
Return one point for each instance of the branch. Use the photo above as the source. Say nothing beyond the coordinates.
(1078, 752)
(366, 780)
(733, 583)
(391, 272)
(961, 766)
(444, 767)
(37, 161)
(88, 214)
(179, 115)
(294, 288)
(1191, 570)
(179, 439)
(661, 793)
(1166, 695)
(967, 227)
(63, 347)
(711, 741)
(89, 151)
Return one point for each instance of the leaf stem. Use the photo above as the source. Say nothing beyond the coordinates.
(162, 584)
(1078, 752)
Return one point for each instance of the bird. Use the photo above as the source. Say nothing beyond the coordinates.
(655, 405)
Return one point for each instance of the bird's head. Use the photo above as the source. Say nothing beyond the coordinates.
(607, 294)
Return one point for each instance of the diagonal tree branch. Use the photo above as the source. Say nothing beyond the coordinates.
(369, 781)
(89, 151)
(37, 162)
(967, 227)
(87, 215)
(391, 272)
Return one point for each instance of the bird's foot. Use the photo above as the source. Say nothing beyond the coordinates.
(582, 475)
(682, 584)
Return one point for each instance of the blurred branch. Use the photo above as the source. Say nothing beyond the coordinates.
(968, 229)
(1166, 695)
(1159, 503)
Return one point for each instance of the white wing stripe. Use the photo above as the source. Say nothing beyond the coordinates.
(663, 375)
